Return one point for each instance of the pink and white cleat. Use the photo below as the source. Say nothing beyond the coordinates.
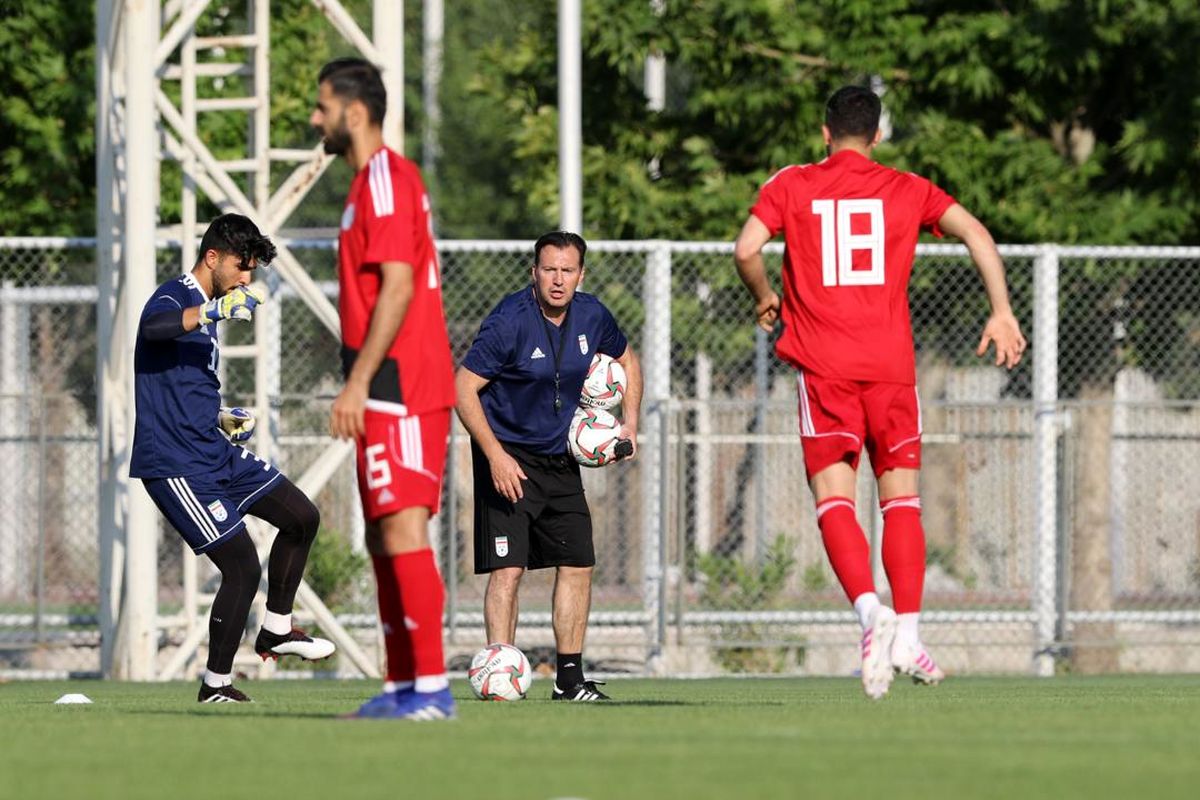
(914, 660)
(877, 641)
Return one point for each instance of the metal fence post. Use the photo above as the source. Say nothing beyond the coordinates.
(666, 416)
(656, 373)
(450, 523)
(1045, 446)
(14, 447)
(40, 577)
(762, 390)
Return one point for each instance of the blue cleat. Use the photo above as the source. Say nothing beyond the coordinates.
(381, 706)
(426, 706)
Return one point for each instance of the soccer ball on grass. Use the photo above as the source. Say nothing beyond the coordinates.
(500, 672)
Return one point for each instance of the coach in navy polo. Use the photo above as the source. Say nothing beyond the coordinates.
(518, 388)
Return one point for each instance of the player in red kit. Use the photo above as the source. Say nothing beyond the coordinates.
(850, 229)
(399, 382)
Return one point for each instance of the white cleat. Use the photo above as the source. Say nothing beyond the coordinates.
(296, 643)
(877, 642)
(914, 660)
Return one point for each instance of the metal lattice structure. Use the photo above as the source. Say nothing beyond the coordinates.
(1060, 500)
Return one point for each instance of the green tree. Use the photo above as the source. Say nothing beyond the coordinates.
(1058, 120)
(47, 151)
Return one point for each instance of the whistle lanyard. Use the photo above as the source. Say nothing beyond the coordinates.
(557, 352)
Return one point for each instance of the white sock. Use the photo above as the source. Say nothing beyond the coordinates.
(431, 683)
(906, 629)
(397, 686)
(278, 624)
(216, 679)
(864, 604)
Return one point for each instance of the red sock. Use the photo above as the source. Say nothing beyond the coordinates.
(904, 552)
(423, 597)
(391, 614)
(846, 545)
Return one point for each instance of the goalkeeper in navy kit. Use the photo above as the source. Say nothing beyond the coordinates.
(188, 451)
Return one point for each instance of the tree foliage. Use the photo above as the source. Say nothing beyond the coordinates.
(1053, 120)
(47, 152)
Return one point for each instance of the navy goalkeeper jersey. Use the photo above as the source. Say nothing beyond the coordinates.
(178, 394)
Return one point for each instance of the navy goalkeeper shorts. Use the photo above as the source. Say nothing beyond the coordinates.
(207, 508)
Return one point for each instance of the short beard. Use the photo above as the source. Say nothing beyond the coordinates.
(337, 143)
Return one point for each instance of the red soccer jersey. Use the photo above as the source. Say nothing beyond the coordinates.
(387, 218)
(850, 229)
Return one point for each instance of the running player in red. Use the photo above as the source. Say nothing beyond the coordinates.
(850, 229)
(399, 382)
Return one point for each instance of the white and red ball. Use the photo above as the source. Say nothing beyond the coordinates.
(593, 436)
(500, 672)
(604, 386)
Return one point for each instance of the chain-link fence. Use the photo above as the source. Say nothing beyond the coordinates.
(48, 543)
(1060, 500)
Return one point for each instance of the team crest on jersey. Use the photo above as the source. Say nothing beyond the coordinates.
(583, 346)
(502, 546)
(348, 217)
(218, 511)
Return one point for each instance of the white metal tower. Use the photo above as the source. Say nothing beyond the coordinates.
(140, 44)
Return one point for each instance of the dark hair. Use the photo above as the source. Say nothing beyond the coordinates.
(238, 235)
(561, 240)
(357, 79)
(853, 111)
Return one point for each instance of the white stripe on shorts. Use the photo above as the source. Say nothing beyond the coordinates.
(917, 395)
(405, 435)
(187, 499)
(414, 456)
(806, 423)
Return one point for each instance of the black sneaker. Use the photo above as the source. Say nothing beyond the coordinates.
(221, 694)
(296, 643)
(585, 692)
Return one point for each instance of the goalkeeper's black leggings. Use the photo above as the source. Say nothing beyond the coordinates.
(288, 509)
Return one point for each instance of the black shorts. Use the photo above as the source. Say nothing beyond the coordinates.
(550, 526)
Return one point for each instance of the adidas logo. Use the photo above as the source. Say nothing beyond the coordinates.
(386, 496)
(537, 353)
(409, 623)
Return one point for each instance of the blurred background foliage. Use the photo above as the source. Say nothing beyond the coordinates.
(1073, 121)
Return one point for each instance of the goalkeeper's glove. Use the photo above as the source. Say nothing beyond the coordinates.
(237, 303)
(236, 423)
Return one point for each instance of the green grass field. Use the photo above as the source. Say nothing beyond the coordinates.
(775, 738)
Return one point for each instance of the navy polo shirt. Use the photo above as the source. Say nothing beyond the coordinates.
(516, 349)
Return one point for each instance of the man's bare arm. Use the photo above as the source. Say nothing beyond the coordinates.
(747, 254)
(1002, 327)
(632, 404)
(506, 472)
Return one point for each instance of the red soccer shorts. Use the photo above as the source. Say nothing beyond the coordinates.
(401, 461)
(838, 416)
